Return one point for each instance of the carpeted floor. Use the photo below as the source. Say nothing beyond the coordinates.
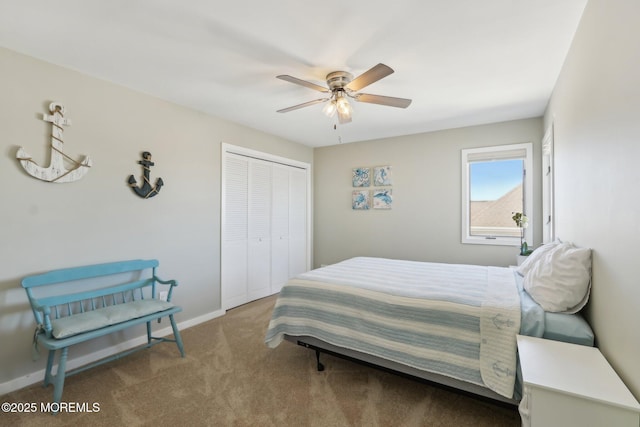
(229, 377)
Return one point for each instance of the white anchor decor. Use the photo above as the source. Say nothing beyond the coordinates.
(56, 172)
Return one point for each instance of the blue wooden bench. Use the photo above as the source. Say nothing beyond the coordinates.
(74, 305)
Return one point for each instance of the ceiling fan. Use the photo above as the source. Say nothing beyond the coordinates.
(343, 86)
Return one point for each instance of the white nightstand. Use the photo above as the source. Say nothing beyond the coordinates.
(572, 385)
(521, 258)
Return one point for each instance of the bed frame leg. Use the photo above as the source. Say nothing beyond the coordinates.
(320, 365)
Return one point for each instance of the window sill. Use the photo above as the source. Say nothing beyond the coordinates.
(495, 241)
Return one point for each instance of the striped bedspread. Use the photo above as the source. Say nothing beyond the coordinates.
(451, 319)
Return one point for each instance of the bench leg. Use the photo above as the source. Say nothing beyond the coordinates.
(48, 375)
(58, 383)
(148, 332)
(176, 334)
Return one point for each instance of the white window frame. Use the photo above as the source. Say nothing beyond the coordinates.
(499, 152)
(548, 202)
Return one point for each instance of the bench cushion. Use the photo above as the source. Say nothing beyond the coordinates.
(106, 316)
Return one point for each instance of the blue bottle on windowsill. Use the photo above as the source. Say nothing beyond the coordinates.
(524, 249)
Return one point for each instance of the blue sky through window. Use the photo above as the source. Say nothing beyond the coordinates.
(492, 180)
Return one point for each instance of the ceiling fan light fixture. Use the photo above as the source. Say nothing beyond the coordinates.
(330, 108)
(341, 85)
(342, 104)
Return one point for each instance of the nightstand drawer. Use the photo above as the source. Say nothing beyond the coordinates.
(551, 408)
(572, 385)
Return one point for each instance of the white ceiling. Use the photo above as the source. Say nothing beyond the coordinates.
(463, 62)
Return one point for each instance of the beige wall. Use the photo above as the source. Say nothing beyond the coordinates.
(595, 109)
(425, 221)
(98, 218)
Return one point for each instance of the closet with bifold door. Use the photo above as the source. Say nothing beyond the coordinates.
(265, 224)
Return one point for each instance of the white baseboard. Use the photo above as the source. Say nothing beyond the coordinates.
(34, 377)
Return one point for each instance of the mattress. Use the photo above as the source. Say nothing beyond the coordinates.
(455, 320)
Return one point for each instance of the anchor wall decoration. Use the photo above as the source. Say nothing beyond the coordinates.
(146, 191)
(56, 172)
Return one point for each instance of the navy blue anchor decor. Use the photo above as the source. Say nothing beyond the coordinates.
(146, 191)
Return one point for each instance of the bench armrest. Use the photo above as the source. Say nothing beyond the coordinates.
(165, 282)
(171, 284)
(46, 317)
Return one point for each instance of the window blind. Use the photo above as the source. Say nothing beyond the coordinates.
(486, 156)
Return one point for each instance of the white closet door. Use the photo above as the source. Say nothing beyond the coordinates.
(298, 256)
(259, 261)
(280, 227)
(234, 232)
(265, 226)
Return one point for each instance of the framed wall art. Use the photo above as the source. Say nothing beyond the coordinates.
(361, 200)
(361, 177)
(382, 175)
(382, 198)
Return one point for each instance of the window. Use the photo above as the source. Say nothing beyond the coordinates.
(495, 184)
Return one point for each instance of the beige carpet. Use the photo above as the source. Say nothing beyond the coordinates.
(230, 378)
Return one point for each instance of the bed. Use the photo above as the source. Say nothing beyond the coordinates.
(452, 324)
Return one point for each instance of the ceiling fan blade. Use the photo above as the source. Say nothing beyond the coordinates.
(304, 83)
(343, 118)
(306, 104)
(383, 100)
(370, 76)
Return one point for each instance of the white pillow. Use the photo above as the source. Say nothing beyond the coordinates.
(535, 256)
(560, 280)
